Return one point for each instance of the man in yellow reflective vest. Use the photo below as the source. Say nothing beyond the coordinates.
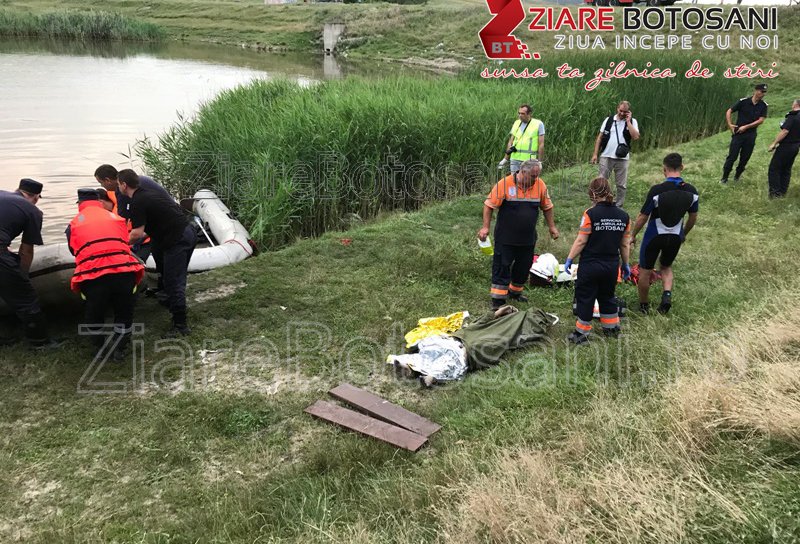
(526, 140)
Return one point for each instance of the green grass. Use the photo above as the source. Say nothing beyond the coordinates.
(223, 453)
(74, 25)
(296, 162)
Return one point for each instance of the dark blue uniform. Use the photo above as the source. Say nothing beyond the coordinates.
(780, 167)
(742, 144)
(20, 217)
(606, 225)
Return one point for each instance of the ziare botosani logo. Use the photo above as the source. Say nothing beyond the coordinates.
(497, 36)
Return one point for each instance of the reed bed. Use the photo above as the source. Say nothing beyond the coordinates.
(296, 161)
(78, 25)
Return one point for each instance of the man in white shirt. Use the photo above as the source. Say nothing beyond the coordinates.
(622, 128)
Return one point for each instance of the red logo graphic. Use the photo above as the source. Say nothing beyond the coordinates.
(497, 38)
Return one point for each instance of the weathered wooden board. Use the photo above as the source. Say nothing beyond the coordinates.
(385, 410)
(367, 425)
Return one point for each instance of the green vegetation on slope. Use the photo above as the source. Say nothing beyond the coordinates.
(294, 161)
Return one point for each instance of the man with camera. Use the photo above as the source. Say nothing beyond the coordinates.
(525, 141)
(613, 145)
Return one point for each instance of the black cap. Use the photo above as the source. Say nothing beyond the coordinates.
(30, 186)
(87, 194)
(761, 87)
(102, 194)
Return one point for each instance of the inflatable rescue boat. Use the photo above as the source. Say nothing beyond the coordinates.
(222, 240)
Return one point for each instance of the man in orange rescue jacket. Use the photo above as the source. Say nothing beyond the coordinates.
(518, 199)
(106, 271)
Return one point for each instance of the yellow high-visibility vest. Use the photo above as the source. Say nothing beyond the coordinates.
(527, 141)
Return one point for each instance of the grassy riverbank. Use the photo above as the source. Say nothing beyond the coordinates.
(294, 162)
(74, 25)
(686, 430)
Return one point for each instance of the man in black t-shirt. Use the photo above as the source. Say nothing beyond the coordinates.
(752, 111)
(19, 215)
(171, 234)
(106, 175)
(787, 143)
(663, 211)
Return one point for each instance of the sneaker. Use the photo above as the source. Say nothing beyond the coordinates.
(666, 304)
(644, 307)
(519, 298)
(577, 338)
(176, 331)
(613, 333)
(723, 181)
(736, 179)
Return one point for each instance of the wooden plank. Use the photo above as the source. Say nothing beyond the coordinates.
(385, 410)
(363, 424)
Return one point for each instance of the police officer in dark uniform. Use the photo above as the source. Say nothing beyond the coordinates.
(752, 112)
(603, 237)
(19, 215)
(171, 232)
(787, 143)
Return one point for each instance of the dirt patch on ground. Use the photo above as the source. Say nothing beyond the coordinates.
(219, 292)
(224, 371)
(435, 65)
(36, 498)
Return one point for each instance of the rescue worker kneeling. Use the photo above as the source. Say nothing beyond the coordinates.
(106, 270)
(603, 237)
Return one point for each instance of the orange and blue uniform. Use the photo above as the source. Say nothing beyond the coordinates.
(514, 233)
(606, 225)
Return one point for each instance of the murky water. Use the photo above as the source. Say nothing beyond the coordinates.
(69, 108)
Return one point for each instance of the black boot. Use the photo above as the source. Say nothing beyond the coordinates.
(37, 335)
(497, 303)
(179, 327)
(518, 298)
(612, 333)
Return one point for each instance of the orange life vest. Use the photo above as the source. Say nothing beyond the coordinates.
(99, 239)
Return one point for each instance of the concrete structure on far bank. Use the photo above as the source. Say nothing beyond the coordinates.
(330, 36)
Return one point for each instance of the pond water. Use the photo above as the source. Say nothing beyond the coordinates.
(67, 108)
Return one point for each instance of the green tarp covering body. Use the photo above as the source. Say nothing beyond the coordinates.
(487, 338)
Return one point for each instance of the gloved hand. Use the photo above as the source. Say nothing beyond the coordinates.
(568, 265)
(502, 163)
(626, 271)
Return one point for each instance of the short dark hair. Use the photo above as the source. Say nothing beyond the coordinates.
(673, 161)
(102, 194)
(527, 107)
(129, 178)
(105, 171)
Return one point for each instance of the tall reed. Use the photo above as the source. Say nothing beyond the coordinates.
(78, 25)
(294, 161)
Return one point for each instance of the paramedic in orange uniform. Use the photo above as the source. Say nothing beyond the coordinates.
(518, 198)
